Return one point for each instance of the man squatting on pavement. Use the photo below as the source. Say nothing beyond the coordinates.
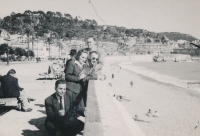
(56, 106)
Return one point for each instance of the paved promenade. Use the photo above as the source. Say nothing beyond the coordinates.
(15, 123)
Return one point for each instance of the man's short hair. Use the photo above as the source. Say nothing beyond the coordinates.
(59, 82)
(94, 52)
(12, 71)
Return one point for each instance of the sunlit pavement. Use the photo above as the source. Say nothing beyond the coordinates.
(16, 123)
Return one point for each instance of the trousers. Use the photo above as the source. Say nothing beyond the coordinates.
(23, 101)
(69, 130)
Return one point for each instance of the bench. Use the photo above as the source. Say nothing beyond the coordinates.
(7, 101)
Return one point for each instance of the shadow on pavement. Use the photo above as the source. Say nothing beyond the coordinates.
(38, 123)
(43, 79)
(40, 105)
(5, 109)
(44, 112)
(46, 79)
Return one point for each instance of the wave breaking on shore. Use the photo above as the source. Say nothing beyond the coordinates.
(156, 76)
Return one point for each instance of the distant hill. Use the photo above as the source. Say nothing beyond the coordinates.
(177, 36)
(66, 27)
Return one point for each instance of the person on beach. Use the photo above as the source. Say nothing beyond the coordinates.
(10, 87)
(92, 46)
(136, 118)
(112, 75)
(131, 83)
(74, 78)
(149, 113)
(156, 114)
(57, 108)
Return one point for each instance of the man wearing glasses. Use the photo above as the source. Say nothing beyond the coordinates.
(91, 72)
(92, 46)
(93, 62)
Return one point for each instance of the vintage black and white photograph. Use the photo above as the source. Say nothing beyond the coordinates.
(100, 68)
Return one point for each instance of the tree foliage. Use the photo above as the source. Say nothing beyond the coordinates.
(68, 27)
(4, 48)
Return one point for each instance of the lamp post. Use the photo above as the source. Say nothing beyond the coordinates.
(7, 50)
(7, 56)
(37, 49)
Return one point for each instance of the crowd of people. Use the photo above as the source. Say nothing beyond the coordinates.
(70, 98)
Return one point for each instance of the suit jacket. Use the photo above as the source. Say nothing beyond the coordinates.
(52, 107)
(101, 53)
(10, 86)
(72, 77)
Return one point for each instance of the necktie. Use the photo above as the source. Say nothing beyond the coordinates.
(61, 105)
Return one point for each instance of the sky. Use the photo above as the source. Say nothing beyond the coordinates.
(153, 15)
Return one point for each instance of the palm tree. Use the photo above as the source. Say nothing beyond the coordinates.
(32, 39)
(61, 47)
(28, 30)
(50, 39)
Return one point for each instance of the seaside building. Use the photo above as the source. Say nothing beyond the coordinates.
(38, 46)
(110, 48)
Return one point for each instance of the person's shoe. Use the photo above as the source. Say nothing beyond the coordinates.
(31, 99)
(27, 110)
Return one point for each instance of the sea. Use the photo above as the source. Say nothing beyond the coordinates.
(182, 74)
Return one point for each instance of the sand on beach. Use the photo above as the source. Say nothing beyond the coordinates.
(178, 108)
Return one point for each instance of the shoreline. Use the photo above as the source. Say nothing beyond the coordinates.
(143, 71)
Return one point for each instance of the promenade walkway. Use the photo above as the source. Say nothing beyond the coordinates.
(15, 123)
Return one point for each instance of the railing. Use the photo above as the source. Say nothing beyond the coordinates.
(93, 124)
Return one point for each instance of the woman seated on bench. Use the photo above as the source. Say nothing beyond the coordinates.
(10, 87)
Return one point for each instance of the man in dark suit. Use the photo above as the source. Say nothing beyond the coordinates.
(72, 55)
(10, 87)
(57, 106)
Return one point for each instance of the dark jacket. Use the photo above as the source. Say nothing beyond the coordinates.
(67, 62)
(53, 106)
(10, 86)
(72, 77)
